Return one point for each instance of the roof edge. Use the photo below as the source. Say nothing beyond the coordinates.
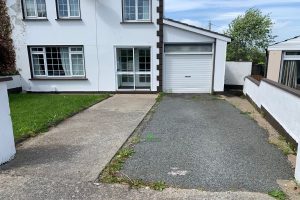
(217, 35)
(284, 40)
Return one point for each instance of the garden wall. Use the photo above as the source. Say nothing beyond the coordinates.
(281, 106)
(7, 144)
(236, 72)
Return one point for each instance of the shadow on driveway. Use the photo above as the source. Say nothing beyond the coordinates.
(201, 142)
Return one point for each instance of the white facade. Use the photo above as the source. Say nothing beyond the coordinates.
(7, 144)
(101, 31)
(236, 72)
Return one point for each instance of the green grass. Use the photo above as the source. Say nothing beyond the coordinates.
(35, 113)
(160, 97)
(278, 194)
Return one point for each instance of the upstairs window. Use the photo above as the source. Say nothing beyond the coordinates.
(136, 10)
(68, 9)
(57, 61)
(35, 9)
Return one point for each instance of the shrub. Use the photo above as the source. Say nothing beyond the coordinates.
(7, 52)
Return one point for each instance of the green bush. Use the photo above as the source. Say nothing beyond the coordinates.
(7, 52)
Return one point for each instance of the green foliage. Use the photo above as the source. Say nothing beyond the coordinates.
(35, 113)
(160, 97)
(7, 53)
(278, 194)
(251, 34)
(160, 186)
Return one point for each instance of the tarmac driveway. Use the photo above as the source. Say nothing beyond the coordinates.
(201, 142)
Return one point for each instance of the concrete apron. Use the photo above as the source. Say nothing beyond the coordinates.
(80, 147)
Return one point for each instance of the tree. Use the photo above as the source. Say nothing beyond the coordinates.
(7, 52)
(251, 34)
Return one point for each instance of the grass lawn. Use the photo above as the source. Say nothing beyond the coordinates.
(35, 113)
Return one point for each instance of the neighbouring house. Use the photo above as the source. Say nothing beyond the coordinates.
(119, 45)
(284, 62)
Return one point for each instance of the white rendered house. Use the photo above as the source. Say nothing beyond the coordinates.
(113, 46)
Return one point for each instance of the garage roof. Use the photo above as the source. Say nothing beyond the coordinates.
(196, 29)
(289, 44)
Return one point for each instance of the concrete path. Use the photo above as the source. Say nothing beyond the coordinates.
(200, 142)
(79, 148)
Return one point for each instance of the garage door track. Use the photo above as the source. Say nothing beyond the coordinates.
(202, 142)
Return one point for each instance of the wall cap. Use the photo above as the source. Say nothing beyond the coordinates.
(4, 79)
(285, 88)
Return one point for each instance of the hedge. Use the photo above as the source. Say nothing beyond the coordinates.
(7, 52)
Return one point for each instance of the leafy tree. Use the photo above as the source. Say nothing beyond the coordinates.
(7, 53)
(251, 34)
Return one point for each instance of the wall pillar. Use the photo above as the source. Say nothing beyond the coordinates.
(7, 143)
(297, 170)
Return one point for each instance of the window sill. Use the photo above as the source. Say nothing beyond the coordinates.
(68, 19)
(59, 79)
(136, 22)
(36, 19)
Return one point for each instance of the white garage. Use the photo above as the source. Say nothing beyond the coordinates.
(194, 59)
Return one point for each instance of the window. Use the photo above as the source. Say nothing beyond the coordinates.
(34, 9)
(68, 9)
(145, 78)
(136, 10)
(57, 61)
(134, 68)
(290, 69)
(188, 48)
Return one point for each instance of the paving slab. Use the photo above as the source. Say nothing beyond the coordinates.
(201, 142)
(79, 148)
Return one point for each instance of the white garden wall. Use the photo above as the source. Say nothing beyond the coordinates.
(235, 72)
(16, 82)
(282, 103)
(7, 144)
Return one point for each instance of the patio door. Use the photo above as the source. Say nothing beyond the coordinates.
(133, 68)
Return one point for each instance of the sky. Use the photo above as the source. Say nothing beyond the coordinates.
(285, 14)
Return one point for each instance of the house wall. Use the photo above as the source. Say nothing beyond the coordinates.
(274, 63)
(100, 31)
(236, 72)
(219, 71)
(7, 144)
(176, 35)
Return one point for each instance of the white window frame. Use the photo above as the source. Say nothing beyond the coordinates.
(189, 52)
(137, 13)
(46, 64)
(291, 57)
(35, 10)
(287, 57)
(134, 72)
(69, 11)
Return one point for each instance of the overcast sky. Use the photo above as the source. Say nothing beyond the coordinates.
(284, 13)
